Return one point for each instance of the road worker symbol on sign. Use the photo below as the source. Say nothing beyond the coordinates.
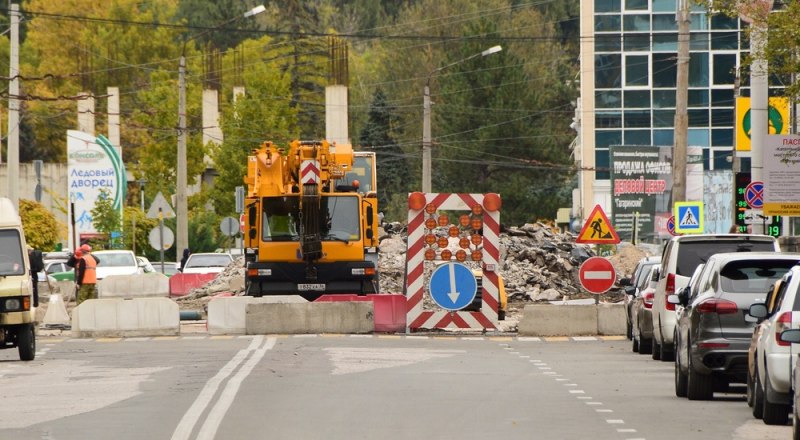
(598, 229)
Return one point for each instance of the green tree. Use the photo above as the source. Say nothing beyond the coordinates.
(140, 235)
(393, 176)
(226, 14)
(40, 225)
(105, 218)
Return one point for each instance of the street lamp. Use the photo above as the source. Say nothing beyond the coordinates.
(426, 116)
(182, 215)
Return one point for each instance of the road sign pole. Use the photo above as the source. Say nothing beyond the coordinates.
(161, 238)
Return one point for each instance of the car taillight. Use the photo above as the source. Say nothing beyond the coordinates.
(719, 306)
(647, 300)
(669, 290)
(784, 322)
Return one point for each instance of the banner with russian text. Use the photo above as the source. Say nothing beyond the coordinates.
(641, 183)
(93, 164)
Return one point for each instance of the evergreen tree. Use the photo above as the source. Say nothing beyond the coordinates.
(393, 175)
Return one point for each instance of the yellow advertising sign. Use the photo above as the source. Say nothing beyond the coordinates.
(778, 115)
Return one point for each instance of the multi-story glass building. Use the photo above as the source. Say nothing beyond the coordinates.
(628, 59)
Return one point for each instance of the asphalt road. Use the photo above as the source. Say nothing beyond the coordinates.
(356, 387)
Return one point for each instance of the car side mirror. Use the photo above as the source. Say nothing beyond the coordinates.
(758, 310)
(791, 335)
(683, 295)
(674, 299)
(630, 290)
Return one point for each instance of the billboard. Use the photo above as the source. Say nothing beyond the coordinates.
(93, 164)
(781, 175)
(641, 182)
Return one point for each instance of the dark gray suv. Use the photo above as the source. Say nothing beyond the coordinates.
(712, 336)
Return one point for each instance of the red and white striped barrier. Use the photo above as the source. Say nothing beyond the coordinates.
(416, 285)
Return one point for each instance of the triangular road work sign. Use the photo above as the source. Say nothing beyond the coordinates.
(597, 229)
(160, 202)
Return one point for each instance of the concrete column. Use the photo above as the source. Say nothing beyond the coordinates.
(113, 119)
(212, 132)
(587, 147)
(86, 114)
(336, 114)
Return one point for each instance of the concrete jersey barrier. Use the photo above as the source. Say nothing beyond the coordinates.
(572, 320)
(117, 317)
(133, 286)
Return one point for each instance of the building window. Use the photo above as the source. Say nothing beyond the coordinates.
(663, 137)
(665, 42)
(637, 118)
(722, 98)
(607, 119)
(637, 137)
(607, 138)
(608, 99)
(721, 117)
(725, 41)
(664, 22)
(636, 42)
(698, 98)
(720, 21)
(724, 69)
(607, 43)
(698, 70)
(698, 118)
(636, 23)
(722, 159)
(636, 5)
(606, 6)
(608, 71)
(664, 69)
(698, 41)
(636, 70)
(663, 118)
(722, 137)
(664, 98)
(637, 99)
(606, 23)
(601, 162)
(698, 137)
(699, 22)
(663, 5)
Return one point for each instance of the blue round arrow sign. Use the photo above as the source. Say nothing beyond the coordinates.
(453, 286)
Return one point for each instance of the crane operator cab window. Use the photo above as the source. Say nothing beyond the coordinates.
(341, 218)
(11, 262)
(280, 219)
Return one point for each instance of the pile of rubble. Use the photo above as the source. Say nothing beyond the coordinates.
(537, 264)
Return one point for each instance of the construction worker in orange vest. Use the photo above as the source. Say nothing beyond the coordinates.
(86, 274)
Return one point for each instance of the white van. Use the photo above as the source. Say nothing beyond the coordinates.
(17, 312)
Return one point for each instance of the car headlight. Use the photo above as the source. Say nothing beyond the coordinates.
(12, 304)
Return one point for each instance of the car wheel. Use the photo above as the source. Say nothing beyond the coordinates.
(750, 390)
(699, 386)
(758, 396)
(635, 344)
(681, 379)
(656, 350)
(629, 331)
(645, 346)
(26, 343)
(666, 354)
(796, 425)
(773, 413)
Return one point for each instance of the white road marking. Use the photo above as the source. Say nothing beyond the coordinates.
(576, 391)
(615, 421)
(626, 430)
(347, 360)
(594, 403)
(529, 339)
(604, 410)
(189, 420)
(584, 338)
(209, 429)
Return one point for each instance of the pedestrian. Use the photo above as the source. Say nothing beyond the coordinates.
(186, 253)
(37, 265)
(86, 274)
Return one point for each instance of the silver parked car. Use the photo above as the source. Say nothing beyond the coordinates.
(712, 336)
(640, 312)
(634, 285)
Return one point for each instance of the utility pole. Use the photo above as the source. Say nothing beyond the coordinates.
(13, 108)
(182, 210)
(759, 101)
(681, 105)
(426, 138)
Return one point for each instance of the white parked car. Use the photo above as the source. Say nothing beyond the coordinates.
(117, 262)
(210, 262)
(772, 387)
(679, 260)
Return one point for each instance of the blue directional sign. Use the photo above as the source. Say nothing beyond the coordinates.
(453, 286)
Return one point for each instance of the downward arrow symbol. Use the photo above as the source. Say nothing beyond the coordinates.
(453, 292)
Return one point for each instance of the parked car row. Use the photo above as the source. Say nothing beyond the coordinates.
(725, 308)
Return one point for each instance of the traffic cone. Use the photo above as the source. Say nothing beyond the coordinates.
(56, 315)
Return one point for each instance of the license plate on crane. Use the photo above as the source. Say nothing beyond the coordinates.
(311, 287)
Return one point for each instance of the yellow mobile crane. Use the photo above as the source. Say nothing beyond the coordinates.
(310, 226)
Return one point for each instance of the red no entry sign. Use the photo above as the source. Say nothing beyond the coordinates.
(597, 275)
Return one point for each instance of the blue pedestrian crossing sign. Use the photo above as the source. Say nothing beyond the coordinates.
(688, 217)
(453, 286)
